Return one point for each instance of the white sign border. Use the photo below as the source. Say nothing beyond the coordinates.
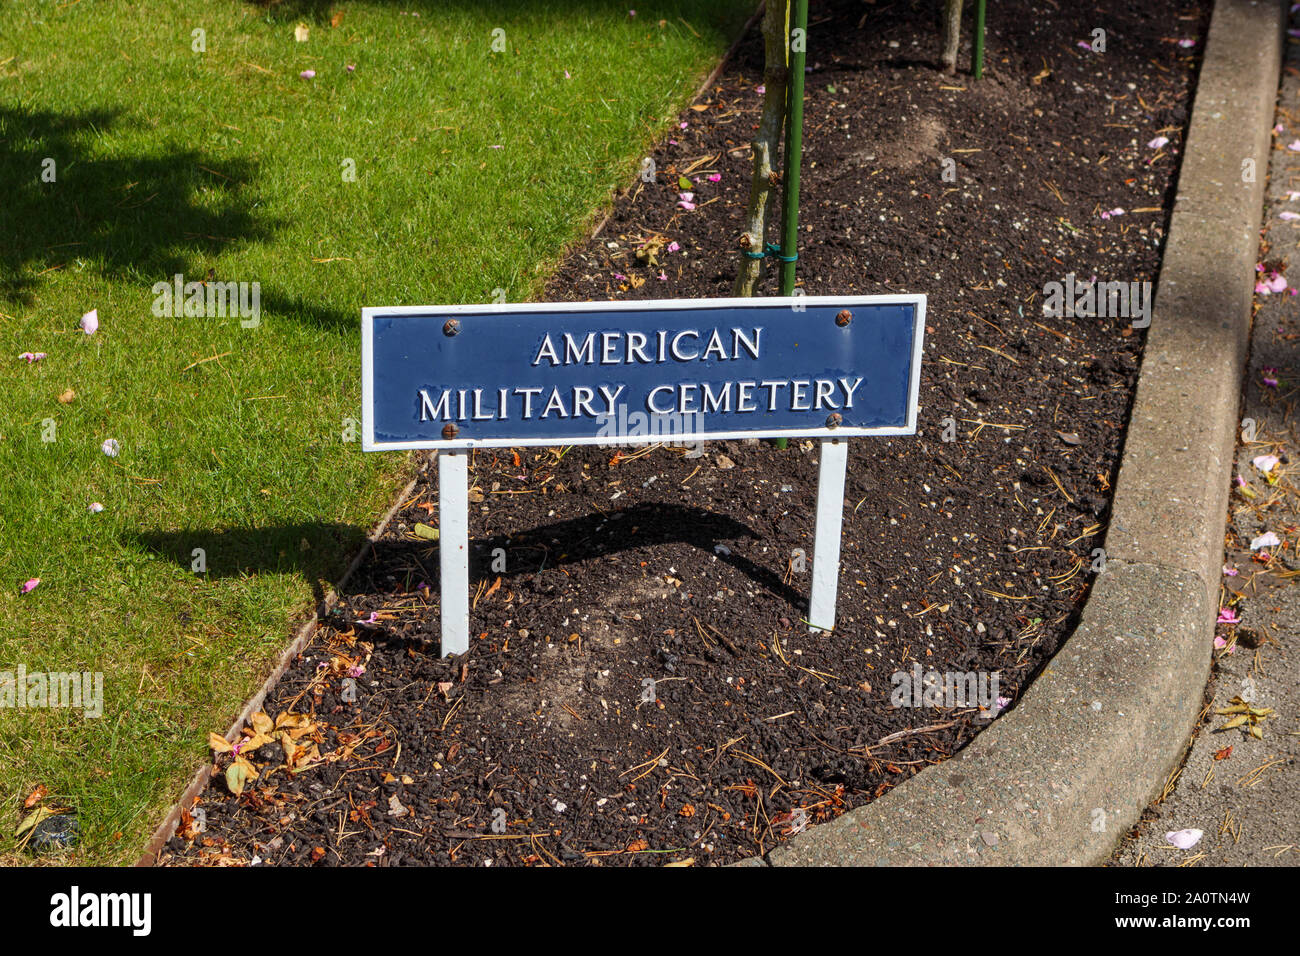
(796, 303)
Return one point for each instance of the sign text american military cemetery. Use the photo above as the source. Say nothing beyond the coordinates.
(679, 371)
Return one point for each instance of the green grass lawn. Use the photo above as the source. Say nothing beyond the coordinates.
(473, 170)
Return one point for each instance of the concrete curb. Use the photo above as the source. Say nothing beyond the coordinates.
(1058, 779)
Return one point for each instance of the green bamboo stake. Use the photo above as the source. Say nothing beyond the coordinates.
(793, 147)
(793, 152)
(979, 40)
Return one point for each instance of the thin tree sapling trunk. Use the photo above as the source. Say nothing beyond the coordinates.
(766, 143)
(951, 33)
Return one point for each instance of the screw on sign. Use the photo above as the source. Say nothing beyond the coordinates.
(592, 373)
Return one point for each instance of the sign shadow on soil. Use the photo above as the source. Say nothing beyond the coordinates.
(319, 550)
(582, 539)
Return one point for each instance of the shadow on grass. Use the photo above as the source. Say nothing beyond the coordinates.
(317, 550)
(139, 216)
(235, 552)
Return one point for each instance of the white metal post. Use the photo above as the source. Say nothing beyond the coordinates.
(453, 540)
(826, 544)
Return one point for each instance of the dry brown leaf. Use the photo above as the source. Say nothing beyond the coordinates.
(238, 773)
(290, 748)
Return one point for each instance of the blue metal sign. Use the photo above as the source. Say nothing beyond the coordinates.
(628, 372)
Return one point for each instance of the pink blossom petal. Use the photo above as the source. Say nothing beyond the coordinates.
(1185, 839)
(30, 585)
(352, 67)
(715, 177)
(1266, 540)
(1158, 142)
(1277, 129)
(90, 322)
(308, 74)
(1220, 642)
(1266, 463)
(620, 277)
(94, 507)
(1289, 216)
(32, 356)
(686, 196)
(1084, 45)
(1186, 44)
(662, 276)
(1230, 572)
(682, 125)
(1228, 616)
(566, 75)
(1261, 288)
(1270, 382)
(673, 247)
(1294, 145)
(1117, 211)
(1277, 283)
(760, 89)
(686, 205)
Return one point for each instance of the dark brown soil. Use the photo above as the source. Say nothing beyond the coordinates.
(970, 555)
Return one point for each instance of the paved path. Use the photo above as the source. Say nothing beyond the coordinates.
(1247, 801)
